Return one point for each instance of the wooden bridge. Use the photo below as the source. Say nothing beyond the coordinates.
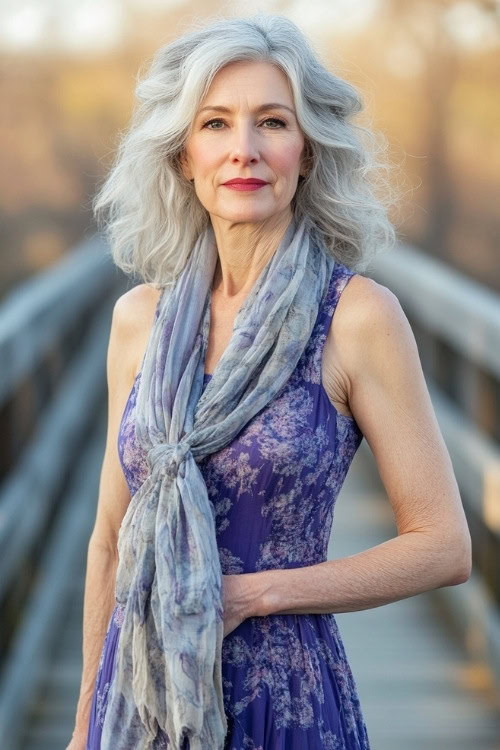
(427, 668)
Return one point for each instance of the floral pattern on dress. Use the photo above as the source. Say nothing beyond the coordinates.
(102, 698)
(133, 461)
(286, 678)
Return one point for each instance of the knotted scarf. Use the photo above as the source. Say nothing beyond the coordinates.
(167, 671)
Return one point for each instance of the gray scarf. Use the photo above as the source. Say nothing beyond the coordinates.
(169, 577)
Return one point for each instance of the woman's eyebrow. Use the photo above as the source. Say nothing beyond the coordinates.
(261, 108)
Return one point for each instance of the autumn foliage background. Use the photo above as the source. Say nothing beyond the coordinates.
(429, 72)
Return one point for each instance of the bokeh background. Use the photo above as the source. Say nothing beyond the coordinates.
(428, 669)
(429, 71)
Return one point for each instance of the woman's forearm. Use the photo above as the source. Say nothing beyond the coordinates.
(99, 601)
(408, 564)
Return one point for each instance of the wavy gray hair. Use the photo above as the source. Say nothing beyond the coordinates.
(150, 211)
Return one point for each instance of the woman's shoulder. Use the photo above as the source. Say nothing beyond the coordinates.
(365, 309)
(133, 316)
(137, 300)
(364, 300)
(366, 314)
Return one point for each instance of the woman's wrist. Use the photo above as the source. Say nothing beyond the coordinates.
(83, 712)
(258, 593)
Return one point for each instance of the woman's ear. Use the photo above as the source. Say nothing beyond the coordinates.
(183, 162)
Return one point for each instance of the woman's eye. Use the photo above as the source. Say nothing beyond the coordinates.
(275, 120)
(211, 122)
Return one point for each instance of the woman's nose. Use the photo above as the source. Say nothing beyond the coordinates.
(244, 146)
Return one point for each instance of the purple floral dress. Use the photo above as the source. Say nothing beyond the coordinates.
(287, 682)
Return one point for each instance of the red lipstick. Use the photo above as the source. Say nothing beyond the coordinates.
(252, 183)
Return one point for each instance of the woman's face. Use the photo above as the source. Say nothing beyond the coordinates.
(245, 128)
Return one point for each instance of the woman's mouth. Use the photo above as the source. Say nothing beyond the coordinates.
(245, 184)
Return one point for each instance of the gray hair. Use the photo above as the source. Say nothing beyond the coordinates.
(149, 209)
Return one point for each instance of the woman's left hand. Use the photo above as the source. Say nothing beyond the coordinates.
(239, 599)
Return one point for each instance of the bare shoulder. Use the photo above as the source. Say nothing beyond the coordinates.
(367, 321)
(365, 305)
(133, 316)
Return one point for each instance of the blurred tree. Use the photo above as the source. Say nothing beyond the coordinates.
(429, 27)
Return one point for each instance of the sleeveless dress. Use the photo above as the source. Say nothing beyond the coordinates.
(286, 679)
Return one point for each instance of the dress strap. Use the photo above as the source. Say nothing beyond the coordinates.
(313, 353)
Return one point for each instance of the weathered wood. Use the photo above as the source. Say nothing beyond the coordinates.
(43, 620)
(474, 455)
(54, 330)
(27, 497)
(456, 309)
(35, 314)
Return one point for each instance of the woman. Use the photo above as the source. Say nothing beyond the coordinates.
(238, 400)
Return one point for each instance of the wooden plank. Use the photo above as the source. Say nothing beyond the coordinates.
(462, 312)
(28, 493)
(44, 613)
(37, 312)
(475, 456)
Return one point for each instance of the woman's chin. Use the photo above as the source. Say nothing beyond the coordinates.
(245, 215)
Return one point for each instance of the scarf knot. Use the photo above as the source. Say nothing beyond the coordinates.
(164, 459)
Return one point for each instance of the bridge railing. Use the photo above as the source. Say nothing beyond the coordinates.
(54, 330)
(456, 322)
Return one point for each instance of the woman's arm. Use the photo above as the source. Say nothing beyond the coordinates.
(377, 362)
(98, 605)
(131, 321)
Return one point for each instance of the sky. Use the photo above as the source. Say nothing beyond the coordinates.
(82, 26)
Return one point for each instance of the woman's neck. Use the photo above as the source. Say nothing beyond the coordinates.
(244, 250)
